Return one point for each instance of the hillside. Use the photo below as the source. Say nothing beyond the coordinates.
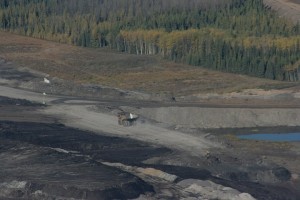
(289, 9)
(243, 37)
(106, 67)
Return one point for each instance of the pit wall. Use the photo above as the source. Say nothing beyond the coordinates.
(195, 117)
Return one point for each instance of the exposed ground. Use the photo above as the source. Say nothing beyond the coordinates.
(130, 72)
(72, 129)
(286, 8)
(170, 165)
(33, 165)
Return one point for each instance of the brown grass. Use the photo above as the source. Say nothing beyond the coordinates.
(110, 68)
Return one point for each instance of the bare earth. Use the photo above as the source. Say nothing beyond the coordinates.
(263, 170)
(286, 8)
(183, 147)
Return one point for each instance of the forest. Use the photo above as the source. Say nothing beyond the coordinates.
(237, 36)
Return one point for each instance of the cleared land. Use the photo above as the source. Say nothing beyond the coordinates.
(164, 160)
(190, 157)
(286, 8)
(110, 68)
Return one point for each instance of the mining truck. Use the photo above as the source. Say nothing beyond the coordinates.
(127, 119)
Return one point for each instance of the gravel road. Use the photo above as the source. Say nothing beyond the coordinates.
(83, 116)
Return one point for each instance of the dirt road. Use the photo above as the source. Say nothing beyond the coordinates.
(83, 116)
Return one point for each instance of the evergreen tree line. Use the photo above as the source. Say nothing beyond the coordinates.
(273, 58)
(223, 35)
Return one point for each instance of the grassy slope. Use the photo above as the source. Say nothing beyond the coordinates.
(110, 68)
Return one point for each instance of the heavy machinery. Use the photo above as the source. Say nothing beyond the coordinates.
(126, 118)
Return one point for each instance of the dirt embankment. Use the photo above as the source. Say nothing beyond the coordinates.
(197, 117)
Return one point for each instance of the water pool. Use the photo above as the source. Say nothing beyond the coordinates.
(273, 137)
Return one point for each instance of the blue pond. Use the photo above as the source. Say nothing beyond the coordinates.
(282, 137)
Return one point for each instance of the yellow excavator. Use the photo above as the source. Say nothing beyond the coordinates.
(127, 119)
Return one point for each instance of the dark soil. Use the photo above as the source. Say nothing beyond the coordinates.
(252, 130)
(10, 73)
(258, 159)
(111, 149)
(295, 1)
(38, 154)
(27, 154)
(5, 101)
(54, 174)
